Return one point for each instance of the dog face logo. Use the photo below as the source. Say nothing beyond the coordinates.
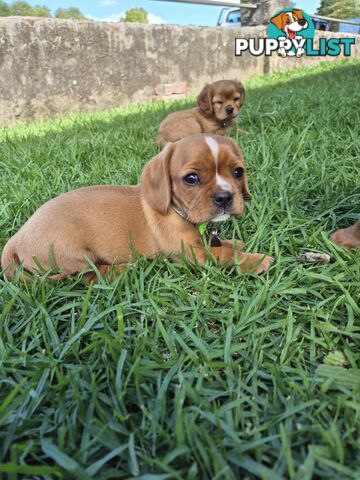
(291, 33)
(290, 22)
(291, 25)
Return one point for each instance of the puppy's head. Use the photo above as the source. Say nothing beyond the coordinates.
(290, 22)
(222, 99)
(203, 175)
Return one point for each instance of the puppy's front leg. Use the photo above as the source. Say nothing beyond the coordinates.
(249, 262)
(239, 244)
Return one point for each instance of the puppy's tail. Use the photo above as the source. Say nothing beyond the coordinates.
(9, 259)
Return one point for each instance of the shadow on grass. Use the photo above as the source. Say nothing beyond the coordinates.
(297, 81)
(306, 113)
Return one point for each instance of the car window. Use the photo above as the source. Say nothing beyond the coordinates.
(233, 17)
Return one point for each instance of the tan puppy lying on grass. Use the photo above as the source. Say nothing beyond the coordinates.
(218, 105)
(347, 237)
(199, 179)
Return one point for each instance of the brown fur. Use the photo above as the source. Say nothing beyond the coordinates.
(347, 237)
(208, 117)
(103, 223)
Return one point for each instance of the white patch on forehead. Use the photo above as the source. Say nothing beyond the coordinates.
(222, 183)
(213, 145)
(291, 16)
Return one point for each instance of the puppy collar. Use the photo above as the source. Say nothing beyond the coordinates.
(207, 230)
(226, 122)
(181, 212)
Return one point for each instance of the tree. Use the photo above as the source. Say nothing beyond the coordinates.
(21, 9)
(138, 15)
(5, 10)
(40, 11)
(72, 13)
(339, 8)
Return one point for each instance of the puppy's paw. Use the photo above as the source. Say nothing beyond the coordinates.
(264, 265)
(255, 262)
(345, 239)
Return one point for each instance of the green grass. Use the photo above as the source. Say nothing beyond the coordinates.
(171, 373)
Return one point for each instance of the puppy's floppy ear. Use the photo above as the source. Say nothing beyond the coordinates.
(278, 20)
(155, 180)
(204, 101)
(240, 88)
(298, 13)
(244, 181)
(245, 188)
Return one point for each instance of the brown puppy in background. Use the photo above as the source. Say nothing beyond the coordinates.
(347, 237)
(218, 107)
(199, 179)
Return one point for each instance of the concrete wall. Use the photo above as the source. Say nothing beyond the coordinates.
(49, 66)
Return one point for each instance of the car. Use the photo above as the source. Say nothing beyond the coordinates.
(341, 27)
(229, 17)
(350, 27)
(320, 24)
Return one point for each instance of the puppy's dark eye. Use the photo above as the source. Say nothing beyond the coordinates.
(238, 172)
(191, 179)
(288, 20)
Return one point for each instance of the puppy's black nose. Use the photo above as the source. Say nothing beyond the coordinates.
(301, 21)
(222, 199)
(229, 110)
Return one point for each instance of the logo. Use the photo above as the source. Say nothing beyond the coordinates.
(291, 33)
(291, 28)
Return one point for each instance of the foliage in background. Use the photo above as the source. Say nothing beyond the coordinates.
(73, 13)
(5, 10)
(20, 8)
(339, 8)
(138, 15)
(24, 9)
